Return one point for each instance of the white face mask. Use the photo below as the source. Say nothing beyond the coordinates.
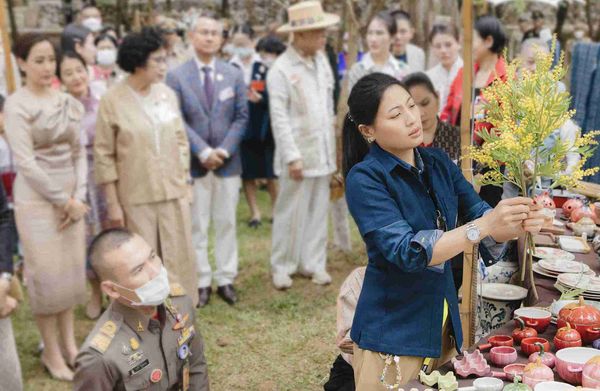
(94, 24)
(152, 293)
(268, 61)
(106, 56)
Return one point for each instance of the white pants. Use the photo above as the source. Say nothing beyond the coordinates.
(216, 199)
(300, 226)
(341, 226)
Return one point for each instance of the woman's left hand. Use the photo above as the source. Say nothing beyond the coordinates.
(535, 219)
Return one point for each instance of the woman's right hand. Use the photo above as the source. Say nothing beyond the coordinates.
(505, 221)
(115, 215)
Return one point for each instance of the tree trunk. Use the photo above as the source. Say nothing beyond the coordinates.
(561, 16)
(14, 33)
(224, 8)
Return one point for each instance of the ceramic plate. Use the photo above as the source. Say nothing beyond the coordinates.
(579, 281)
(563, 266)
(541, 271)
(553, 253)
(503, 292)
(547, 273)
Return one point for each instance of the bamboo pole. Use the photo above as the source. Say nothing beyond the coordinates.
(10, 75)
(469, 285)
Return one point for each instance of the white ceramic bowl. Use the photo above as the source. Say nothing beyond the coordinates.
(488, 384)
(553, 386)
(570, 362)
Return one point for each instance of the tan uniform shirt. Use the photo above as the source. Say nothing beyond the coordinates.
(141, 144)
(129, 351)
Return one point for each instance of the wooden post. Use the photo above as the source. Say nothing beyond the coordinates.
(10, 76)
(469, 284)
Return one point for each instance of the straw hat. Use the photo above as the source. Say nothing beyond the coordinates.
(308, 15)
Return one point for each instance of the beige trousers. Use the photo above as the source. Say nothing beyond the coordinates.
(368, 366)
(299, 241)
(167, 228)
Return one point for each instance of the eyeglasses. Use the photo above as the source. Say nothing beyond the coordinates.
(158, 60)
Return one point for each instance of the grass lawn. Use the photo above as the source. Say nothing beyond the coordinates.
(270, 340)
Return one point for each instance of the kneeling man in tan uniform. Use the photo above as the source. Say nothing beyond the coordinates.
(146, 339)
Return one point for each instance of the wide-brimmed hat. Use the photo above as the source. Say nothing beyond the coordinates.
(308, 15)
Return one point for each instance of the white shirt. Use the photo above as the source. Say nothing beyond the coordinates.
(366, 66)
(442, 79)
(201, 65)
(247, 69)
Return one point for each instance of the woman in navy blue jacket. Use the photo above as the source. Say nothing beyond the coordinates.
(406, 201)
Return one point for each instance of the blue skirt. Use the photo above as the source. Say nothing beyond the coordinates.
(257, 159)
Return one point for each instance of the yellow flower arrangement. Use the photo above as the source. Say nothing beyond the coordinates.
(524, 111)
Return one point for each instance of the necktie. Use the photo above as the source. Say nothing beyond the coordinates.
(209, 88)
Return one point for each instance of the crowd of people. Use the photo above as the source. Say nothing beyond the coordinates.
(133, 147)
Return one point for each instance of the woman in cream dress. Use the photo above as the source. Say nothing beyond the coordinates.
(43, 131)
(142, 157)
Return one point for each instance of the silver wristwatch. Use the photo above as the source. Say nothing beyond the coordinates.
(473, 233)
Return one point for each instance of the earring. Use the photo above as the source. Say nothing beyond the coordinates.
(370, 139)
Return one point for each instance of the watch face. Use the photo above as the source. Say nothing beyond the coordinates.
(473, 234)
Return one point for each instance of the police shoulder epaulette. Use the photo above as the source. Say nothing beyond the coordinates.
(177, 290)
(104, 336)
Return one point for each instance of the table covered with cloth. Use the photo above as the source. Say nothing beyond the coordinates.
(546, 294)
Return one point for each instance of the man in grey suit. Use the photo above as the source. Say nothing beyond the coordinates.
(213, 101)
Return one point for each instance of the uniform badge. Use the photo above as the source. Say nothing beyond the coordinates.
(109, 328)
(186, 335)
(181, 321)
(140, 328)
(138, 368)
(134, 343)
(100, 342)
(156, 375)
(176, 290)
(183, 352)
(125, 350)
(135, 358)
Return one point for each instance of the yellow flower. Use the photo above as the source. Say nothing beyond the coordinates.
(524, 110)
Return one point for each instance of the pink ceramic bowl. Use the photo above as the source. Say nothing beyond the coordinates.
(536, 318)
(503, 355)
(513, 370)
(528, 345)
(570, 362)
